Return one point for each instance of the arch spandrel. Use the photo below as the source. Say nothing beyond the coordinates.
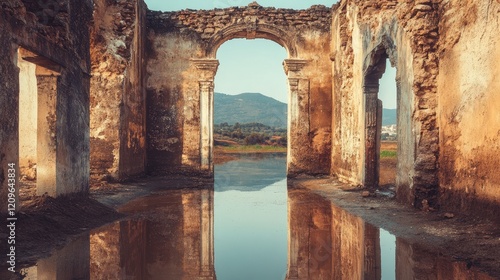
(211, 28)
(260, 31)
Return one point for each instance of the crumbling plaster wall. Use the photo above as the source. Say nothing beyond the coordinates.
(118, 100)
(182, 65)
(58, 35)
(406, 33)
(469, 98)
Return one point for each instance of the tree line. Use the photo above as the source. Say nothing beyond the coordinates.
(251, 134)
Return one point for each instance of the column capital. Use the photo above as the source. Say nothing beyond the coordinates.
(294, 65)
(206, 64)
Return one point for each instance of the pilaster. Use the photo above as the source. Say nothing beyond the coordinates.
(207, 69)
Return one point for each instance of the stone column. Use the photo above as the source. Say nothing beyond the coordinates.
(298, 115)
(207, 69)
(46, 133)
(207, 269)
(370, 91)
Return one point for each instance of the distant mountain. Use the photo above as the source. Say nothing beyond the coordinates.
(389, 116)
(248, 108)
(255, 107)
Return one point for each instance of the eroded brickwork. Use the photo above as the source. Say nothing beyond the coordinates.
(336, 57)
(182, 65)
(468, 98)
(56, 37)
(406, 34)
(151, 101)
(118, 118)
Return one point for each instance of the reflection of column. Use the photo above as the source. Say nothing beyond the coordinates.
(298, 113)
(207, 270)
(208, 69)
(355, 247)
(415, 262)
(309, 236)
(71, 262)
(371, 104)
(293, 239)
(372, 253)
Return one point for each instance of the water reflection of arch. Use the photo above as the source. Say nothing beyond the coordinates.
(252, 31)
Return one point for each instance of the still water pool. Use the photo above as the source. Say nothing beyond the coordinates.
(248, 225)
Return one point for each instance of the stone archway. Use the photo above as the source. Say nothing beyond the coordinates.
(414, 180)
(374, 68)
(181, 106)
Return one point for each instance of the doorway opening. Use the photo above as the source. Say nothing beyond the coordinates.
(381, 123)
(250, 99)
(388, 134)
(250, 165)
(37, 124)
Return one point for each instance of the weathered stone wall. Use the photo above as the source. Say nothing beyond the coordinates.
(469, 119)
(58, 37)
(446, 55)
(181, 70)
(365, 34)
(118, 100)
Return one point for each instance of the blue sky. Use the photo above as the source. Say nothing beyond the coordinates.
(256, 65)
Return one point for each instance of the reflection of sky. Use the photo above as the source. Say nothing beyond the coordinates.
(251, 173)
(388, 255)
(250, 232)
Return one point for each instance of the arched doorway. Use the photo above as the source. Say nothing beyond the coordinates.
(298, 87)
(182, 66)
(375, 66)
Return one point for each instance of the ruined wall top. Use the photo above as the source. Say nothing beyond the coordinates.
(48, 19)
(253, 21)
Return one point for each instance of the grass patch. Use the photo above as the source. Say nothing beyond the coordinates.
(388, 154)
(250, 149)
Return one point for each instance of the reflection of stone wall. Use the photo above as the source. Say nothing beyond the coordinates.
(416, 262)
(174, 242)
(326, 242)
(70, 262)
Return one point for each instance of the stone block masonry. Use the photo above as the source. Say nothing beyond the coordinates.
(54, 39)
(131, 91)
(335, 58)
(181, 69)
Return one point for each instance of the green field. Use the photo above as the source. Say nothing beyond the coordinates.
(388, 154)
(250, 149)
